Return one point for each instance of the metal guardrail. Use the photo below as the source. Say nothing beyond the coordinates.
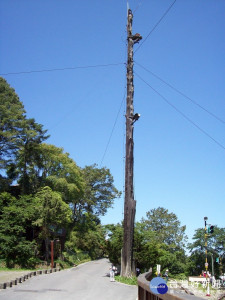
(144, 292)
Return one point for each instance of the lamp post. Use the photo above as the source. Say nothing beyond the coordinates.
(212, 264)
(52, 252)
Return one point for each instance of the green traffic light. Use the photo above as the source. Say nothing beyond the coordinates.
(211, 229)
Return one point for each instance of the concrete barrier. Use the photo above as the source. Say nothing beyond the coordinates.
(3, 285)
(23, 278)
(19, 280)
(14, 282)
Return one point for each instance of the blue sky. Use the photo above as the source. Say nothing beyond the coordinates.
(179, 156)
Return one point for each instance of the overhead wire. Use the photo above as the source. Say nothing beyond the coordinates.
(61, 69)
(181, 113)
(72, 110)
(114, 125)
(156, 25)
(117, 116)
(182, 94)
(137, 7)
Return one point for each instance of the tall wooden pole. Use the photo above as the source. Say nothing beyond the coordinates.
(129, 202)
(52, 254)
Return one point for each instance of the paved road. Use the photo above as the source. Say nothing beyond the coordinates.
(85, 282)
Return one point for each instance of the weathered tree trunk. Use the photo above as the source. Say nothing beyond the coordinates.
(127, 266)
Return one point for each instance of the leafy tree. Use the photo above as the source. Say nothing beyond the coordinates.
(49, 180)
(53, 214)
(114, 242)
(157, 240)
(19, 140)
(146, 248)
(99, 192)
(215, 247)
(12, 116)
(60, 172)
(5, 199)
(28, 156)
(15, 220)
(89, 236)
(149, 250)
(166, 226)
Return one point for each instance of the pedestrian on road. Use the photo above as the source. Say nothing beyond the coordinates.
(166, 275)
(112, 270)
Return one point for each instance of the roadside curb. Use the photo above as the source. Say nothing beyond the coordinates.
(25, 277)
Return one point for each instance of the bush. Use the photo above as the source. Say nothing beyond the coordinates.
(32, 262)
(180, 276)
(75, 258)
(64, 264)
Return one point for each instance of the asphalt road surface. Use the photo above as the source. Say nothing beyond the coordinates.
(88, 281)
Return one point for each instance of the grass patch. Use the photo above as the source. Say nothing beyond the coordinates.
(131, 280)
(15, 269)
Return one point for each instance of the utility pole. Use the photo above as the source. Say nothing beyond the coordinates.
(212, 264)
(127, 268)
(206, 262)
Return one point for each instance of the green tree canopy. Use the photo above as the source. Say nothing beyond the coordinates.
(215, 249)
(20, 138)
(16, 219)
(53, 214)
(88, 236)
(52, 211)
(50, 193)
(150, 250)
(12, 116)
(60, 172)
(166, 226)
(114, 242)
(99, 192)
(28, 156)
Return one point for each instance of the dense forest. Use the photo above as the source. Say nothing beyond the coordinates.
(45, 196)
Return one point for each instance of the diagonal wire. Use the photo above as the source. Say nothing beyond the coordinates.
(181, 113)
(114, 125)
(138, 6)
(156, 25)
(61, 69)
(182, 94)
